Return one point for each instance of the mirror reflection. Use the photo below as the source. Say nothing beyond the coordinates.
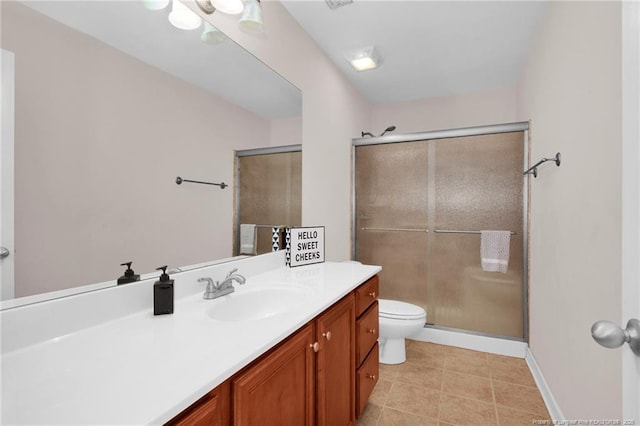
(111, 104)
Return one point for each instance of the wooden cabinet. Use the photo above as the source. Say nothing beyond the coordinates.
(279, 389)
(336, 364)
(367, 331)
(323, 374)
(213, 409)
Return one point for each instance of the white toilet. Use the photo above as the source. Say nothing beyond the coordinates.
(397, 321)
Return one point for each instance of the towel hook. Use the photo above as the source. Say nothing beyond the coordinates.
(533, 170)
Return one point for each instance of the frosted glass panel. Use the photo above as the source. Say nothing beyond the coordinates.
(269, 193)
(471, 183)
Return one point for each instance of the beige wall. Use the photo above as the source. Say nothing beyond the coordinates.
(95, 176)
(450, 112)
(286, 131)
(333, 113)
(571, 91)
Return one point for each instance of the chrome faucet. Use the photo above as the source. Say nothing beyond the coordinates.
(221, 288)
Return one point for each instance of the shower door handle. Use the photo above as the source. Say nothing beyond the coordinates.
(609, 335)
(4, 252)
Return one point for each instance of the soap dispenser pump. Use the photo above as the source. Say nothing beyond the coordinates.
(129, 276)
(163, 293)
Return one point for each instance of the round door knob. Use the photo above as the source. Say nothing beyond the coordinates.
(315, 346)
(327, 335)
(4, 252)
(609, 335)
(371, 331)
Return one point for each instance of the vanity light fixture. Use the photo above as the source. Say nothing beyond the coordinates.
(155, 4)
(251, 20)
(230, 7)
(364, 59)
(182, 17)
(212, 35)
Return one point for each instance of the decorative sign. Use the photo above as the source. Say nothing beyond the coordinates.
(306, 245)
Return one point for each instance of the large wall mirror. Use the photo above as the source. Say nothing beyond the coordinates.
(112, 103)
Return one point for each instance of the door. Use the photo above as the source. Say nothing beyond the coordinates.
(279, 390)
(6, 178)
(336, 364)
(630, 202)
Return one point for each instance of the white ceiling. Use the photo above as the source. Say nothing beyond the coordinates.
(429, 48)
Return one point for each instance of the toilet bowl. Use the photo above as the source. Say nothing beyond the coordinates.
(397, 321)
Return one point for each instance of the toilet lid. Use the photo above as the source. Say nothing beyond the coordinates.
(395, 309)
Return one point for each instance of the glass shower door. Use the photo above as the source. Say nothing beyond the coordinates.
(412, 201)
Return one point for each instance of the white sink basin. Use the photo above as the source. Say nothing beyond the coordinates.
(257, 303)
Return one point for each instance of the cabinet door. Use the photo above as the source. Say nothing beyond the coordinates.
(214, 409)
(279, 389)
(336, 364)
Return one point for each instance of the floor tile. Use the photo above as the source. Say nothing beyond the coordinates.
(415, 373)
(453, 350)
(428, 354)
(380, 392)
(511, 417)
(413, 399)
(519, 397)
(391, 417)
(388, 371)
(370, 415)
(467, 363)
(509, 360)
(463, 411)
(512, 373)
(467, 386)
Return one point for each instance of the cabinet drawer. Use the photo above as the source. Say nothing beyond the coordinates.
(367, 332)
(366, 380)
(366, 294)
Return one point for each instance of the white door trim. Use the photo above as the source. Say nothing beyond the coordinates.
(6, 173)
(630, 201)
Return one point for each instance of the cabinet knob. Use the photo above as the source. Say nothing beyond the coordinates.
(373, 294)
(371, 376)
(315, 346)
(371, 331)
(327, 335)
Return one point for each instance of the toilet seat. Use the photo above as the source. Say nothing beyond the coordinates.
(394, 309)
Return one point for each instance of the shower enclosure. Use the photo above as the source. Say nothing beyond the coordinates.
(420, 202)
(268, 192)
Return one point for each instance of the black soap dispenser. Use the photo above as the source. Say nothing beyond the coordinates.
(163, 294)
(129, 276)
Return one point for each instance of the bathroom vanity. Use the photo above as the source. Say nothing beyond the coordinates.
(292, 345)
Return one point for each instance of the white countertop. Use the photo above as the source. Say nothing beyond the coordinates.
(145, 369)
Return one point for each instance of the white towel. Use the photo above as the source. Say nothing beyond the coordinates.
(494, 250)
(248, 238)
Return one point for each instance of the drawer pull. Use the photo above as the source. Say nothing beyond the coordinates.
(371, 376)
(371, 331)
(315, 346)
(373, 294)
(327, 335)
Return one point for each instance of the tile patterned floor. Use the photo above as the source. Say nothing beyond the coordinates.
(443, 386)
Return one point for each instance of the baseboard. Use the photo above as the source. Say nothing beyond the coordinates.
(472, 341)
(545, 391)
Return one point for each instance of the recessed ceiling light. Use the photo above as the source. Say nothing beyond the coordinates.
(364, 59)
(334, 4)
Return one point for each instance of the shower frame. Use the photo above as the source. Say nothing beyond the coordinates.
(522, 126)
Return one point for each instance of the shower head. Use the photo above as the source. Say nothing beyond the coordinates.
(388, 129)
